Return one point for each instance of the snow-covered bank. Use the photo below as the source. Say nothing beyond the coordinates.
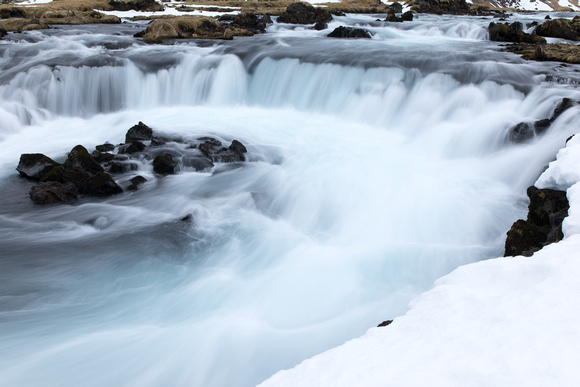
(502, 322)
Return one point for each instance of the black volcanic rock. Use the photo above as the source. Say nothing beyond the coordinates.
(35, 165)
(546, 212)
(139, 132)
(349, 32)
(53, 192)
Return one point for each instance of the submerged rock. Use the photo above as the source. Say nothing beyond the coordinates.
(520, 133)
(35, 165)
(303, 13)
(136, 182)
(350, 32)
(546, 212)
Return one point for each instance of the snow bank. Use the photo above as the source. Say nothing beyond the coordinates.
(502, 322)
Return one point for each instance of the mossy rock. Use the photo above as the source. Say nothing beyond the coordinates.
(189, 27)
(79, 159)
(560, 28)
(304, 13)
(20, 25)
(35, 165)
(102, 184)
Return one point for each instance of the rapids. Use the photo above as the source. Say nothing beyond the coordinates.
(375, 167)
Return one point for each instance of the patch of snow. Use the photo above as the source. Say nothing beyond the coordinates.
(501, 322)
(406, 7)
(167, 11)
(33, 2)
(568, 4)
(534, 5)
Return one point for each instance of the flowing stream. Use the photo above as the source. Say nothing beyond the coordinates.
(374, 167)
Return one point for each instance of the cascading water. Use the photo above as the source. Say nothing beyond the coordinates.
(374, 168)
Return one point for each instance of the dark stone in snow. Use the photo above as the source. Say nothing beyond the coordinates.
(385, 323)
(53, 192)
(546, 212)
(35, 165)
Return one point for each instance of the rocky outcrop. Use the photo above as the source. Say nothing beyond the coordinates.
(350, 32)
(189, 27)
(439, 7)
(560, 28)
(558, 52)
(11, 12)
(136, 5)
(525, 131)
(250, 22)
(90, 174)
(303, 13)
(503, 32)
(543, 226)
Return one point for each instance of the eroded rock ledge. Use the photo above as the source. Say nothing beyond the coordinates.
(91, 174)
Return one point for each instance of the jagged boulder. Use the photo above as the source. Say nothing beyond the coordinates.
(80, 160)
(139, 132)
(35, 165)
(546, 212)
(303, 13)
(503, 32)
(53, 192)
(560, 28)
(350, 32)
(407, 16)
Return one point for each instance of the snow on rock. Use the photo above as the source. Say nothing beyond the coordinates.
(502, 322)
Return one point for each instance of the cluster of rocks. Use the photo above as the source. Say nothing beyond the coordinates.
(504, 32)
(90, 174)
(525, 131)
(439, 7)
(543, 225)
(397, 9)
(302, 13)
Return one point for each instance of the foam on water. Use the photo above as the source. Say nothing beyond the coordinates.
(364, 184)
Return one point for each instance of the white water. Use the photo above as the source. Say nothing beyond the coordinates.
(374, 169)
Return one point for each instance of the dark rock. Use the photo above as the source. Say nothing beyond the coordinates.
(53, 192)
(564, 105)
(137, 5)
(35, 165)
(3, 32)
(164, 165)
(103, 157)
(122, 167)
(303, 13)
(107, 147)
(546, 206)
(396, 7)
(541, 126)
(337, 13)
(386, 322)
(136, 182)
(249, 21)
(407, 16)
(238, 148)
(133, 147)
(212, 149)
(502, 32)
(197, 163)
(320, 26)
(139, 132)
(102, 184)
(79, 159)
(187, 218)
(547, 17)
(349, 32)
(546, 212)
(391, 17)
(520, 133)
(560, 28)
